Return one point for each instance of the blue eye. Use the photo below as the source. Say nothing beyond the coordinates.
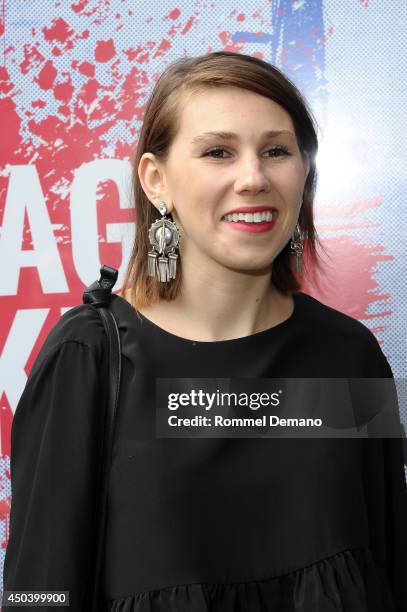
(282, 150)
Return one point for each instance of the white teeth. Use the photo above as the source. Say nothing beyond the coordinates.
(256, 217)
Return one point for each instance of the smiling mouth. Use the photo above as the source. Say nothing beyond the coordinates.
(251, 218)
(253, 226)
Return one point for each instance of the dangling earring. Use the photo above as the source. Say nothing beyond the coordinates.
(296, 246)
(164, 238)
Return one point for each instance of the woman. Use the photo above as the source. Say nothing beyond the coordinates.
(198, 522)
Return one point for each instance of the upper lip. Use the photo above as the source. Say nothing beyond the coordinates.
(251, 209)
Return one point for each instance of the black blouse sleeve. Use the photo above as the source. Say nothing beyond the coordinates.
(386, 498)
(54, 456)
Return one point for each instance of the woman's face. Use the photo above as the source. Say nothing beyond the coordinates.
(206, 176)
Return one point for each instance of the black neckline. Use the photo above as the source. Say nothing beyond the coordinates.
(265, 333)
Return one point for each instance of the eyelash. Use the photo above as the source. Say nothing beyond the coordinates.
(207, 154)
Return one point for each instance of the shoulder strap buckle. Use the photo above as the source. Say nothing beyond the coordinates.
(99, 293)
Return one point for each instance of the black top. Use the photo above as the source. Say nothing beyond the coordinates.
(199, 524)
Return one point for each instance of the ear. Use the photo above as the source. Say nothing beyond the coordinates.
(152, 178)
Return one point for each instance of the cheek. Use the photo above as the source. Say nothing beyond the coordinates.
(197, 210)
(290, 188)
(189, 219)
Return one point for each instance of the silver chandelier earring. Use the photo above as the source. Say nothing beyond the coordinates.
(296, 246)
(164, 238)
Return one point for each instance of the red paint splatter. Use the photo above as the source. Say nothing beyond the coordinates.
(229, 45)
(63, 36)
(106, 107)
(11, 139)
(5, 85)
(63, 91)
(3, 18)
(80, 6)
(88, 92)
(173, 30)
(87, 69)
(96, 10)
(174, 14)
(224, 37)
(59, 31)
(347, 210)
(116, 76)
(64, 110)
(128, 108)
(38, 103)
(78, 143)
(332, 286)
(32, 58)
(164, 46)
(188, 25)
(139, 53)
(123, 150)
(133, 53)
(105, 50)
(47, 76)
(240, 17)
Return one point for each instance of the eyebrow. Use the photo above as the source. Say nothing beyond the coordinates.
(232, 136)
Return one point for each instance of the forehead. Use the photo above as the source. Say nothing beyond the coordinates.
(229, 109)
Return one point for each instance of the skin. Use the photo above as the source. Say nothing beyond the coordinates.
(226, 288)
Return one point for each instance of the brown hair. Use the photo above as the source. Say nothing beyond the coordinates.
(160, 125)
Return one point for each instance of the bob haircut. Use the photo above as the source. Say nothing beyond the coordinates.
(160, 125)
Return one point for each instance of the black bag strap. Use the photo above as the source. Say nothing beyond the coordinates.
(99, 294)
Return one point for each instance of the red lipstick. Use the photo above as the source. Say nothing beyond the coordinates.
(255, 227)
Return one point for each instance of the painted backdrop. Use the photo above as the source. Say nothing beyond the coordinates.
(74, 79)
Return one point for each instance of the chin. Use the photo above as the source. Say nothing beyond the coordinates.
(262, 267)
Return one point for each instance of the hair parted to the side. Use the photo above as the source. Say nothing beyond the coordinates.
(160, 125)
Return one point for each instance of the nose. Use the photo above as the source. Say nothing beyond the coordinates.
(251, 176)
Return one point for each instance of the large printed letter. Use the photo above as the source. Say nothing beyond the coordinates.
(25, 194)
(84, 226)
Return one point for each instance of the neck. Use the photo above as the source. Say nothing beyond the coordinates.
(216, 303)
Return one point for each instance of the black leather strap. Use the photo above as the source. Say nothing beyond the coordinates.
(98, 294)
